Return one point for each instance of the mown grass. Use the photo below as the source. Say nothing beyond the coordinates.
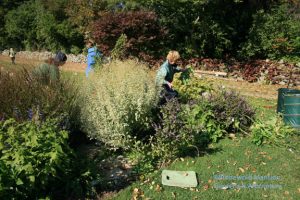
(234, 158)
(265, 108)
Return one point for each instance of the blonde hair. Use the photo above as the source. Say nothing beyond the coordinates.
(173, 56)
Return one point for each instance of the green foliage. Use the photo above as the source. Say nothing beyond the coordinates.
(141, 156)
(20, 24)
(37, 162)
(190, 87)
(119, 50)
(204, 28)
(271, 132)
(117, 103)
(254, 29)
(32, 157)
(182, 129)
(231, 110)
(35, 26)
(274, 34)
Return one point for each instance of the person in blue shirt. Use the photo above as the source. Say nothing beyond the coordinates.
(165, 75)
(93, 54)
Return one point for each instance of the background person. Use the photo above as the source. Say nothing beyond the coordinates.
(49, 71)
(12, 55)
(93, 54)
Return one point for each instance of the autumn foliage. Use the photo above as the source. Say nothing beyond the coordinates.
(141, 28)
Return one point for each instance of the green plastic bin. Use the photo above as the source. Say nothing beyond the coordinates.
(291, 110)
(281, 93)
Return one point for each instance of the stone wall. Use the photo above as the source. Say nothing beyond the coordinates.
(45, 55)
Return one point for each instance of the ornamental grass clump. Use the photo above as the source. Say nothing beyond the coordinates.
(117, 103)
(25, 97)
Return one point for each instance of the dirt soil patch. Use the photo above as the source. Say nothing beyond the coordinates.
(69, 66)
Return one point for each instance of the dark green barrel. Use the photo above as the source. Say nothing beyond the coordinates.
(281, 93)
(291, 114)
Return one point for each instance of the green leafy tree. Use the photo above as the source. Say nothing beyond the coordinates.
(5, 7)
(34, 25)
(274, 34)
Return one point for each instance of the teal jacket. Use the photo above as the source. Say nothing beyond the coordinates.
(166, 73)
(48, 73)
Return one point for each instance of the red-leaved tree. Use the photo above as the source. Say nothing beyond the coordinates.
(144, 34)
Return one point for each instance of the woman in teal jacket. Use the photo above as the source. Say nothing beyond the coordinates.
(165, 75)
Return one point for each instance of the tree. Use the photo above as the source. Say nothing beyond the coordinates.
(5, 7)
(36, 26)
(144, 34)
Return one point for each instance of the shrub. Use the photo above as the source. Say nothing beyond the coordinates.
(119, 50)
(231, 110)
(190, 87)
(23, 97)
(271, 132)
(183, 127)
(117, 103)
(273, 34)
(36, 162)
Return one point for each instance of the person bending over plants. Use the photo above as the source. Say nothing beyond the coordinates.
(49, 71)
(165, 75)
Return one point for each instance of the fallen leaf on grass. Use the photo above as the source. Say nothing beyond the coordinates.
(269, 157)
(210, 181)
(205, 187)
(242, 170)
(137, 194)
(158, 188)
(174, 195)
(262, 153)
(263, 163)
(234, 163)
(247, 153)
(247, 166)
(286, 192)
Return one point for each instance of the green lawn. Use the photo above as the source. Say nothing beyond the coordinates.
(265, 108)
(239, 159)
